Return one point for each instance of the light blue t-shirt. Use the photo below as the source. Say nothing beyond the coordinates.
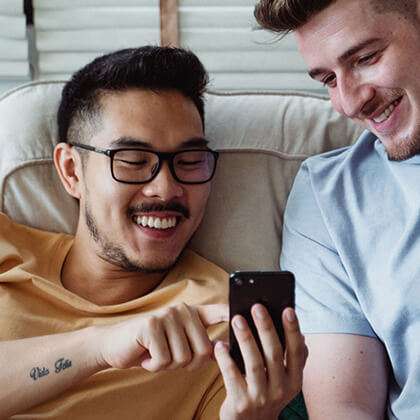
(352, 238)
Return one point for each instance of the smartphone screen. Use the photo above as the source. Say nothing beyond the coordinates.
(274, 289)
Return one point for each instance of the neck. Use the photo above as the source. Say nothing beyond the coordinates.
(89, 276)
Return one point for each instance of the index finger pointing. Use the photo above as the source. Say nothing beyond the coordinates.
(213, 314)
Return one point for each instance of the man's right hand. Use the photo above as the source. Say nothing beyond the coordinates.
(167, 339)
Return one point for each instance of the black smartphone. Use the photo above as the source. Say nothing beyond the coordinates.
(274, 289)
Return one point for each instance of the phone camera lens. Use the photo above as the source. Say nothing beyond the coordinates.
(238, 281)
(251, 281)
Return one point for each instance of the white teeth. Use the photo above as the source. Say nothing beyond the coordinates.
(385, 115)
(155, 222)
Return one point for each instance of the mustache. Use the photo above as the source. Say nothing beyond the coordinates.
(152, 207)
(380, 100)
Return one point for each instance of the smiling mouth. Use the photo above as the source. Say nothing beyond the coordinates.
(387, 112)
(153, 222)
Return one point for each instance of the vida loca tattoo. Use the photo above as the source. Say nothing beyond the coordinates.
(60, 365)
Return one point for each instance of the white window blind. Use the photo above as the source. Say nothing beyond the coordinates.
(223, 33)
(69, 34)
(14, 61)
(238, 55)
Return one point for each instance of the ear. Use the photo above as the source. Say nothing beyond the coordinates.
(69, 167)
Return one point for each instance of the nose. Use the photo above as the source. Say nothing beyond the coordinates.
(163, 186)
(351, 96)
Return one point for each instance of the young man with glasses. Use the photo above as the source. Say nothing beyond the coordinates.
(119, 321)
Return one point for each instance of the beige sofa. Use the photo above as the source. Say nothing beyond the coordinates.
(262, 137)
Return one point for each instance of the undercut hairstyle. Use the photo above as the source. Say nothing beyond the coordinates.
(149, 67)
(284, 16)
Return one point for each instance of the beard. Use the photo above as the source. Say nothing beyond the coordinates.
(404, 148)
(398, 148)
(115, 254)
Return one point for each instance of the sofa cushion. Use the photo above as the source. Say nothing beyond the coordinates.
(262, 137)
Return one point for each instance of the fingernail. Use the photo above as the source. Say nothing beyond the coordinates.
(259, 311)
(290, 315)
(240, 323)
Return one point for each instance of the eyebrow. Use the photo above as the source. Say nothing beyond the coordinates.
(195, 142)
(129, 142)
(345, 56)
(137, 143)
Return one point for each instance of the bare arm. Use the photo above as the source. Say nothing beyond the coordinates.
(35, 370)
(346, 377)
(40, 368)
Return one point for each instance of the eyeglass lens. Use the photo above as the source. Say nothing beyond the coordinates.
(140, 166)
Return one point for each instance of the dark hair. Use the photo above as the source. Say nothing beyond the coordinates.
(285, 16)
(148, 67)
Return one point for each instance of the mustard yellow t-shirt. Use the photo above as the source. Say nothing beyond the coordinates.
(33, 302)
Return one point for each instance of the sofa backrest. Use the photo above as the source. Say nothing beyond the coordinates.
(262, 138)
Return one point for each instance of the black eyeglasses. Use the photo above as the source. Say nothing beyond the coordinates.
(139, 166)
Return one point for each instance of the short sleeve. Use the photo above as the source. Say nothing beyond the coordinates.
(326, 302)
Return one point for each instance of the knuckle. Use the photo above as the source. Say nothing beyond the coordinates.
(245, 337)
(164, 361)
(202, 358)
(256, 368)
(206, 351)
(183, 308)
(170, 312)
(152, 322)
(184, 360)
(266, 325)
(279, 396)
(261, 402)
(243, 408)
(276, 356)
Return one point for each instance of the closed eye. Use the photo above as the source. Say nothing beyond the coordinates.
(138, 163)
(190, 165)
(189, 162)
(329, 80)
(367, 59)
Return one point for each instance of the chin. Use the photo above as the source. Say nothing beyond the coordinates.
(116, 255)
(403, 150)
(155, 265)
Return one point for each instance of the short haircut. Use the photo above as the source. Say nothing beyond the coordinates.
(285, 16)
(149, 67)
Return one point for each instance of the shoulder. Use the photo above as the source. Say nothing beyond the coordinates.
(328, 167)
(20, 240)
(327, 186)
(195, 264)
(203, 276)
(339, 173)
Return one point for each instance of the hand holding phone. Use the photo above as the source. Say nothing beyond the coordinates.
(273, 289)
(272, 378)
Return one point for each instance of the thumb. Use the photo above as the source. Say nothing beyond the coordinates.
(213, 314)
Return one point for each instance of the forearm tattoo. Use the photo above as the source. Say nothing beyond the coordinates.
(60, 365)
